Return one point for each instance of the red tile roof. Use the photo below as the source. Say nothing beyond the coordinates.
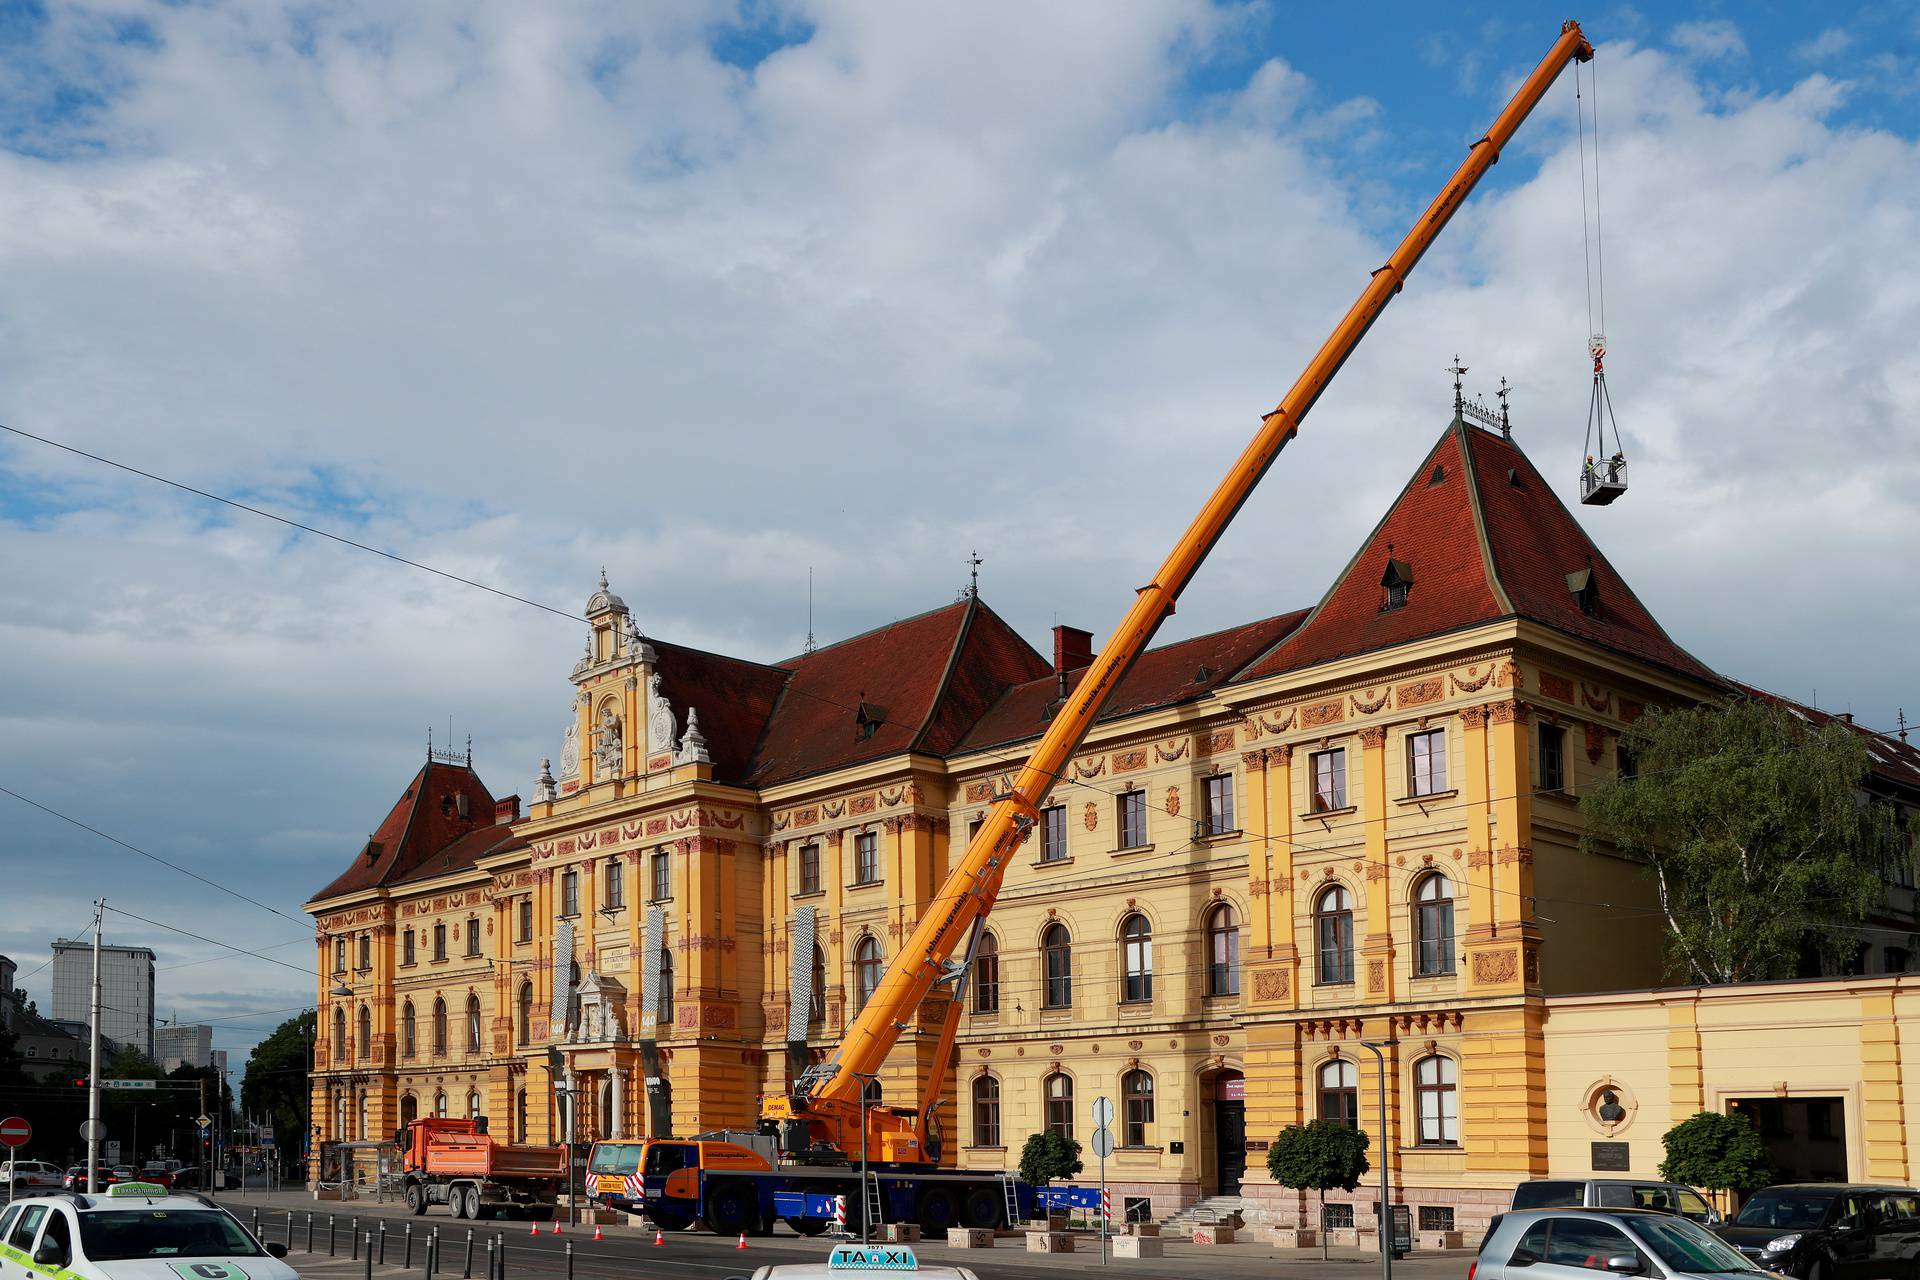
(734, 697)
(1893, 760)
(424, 821)
(1484, 538)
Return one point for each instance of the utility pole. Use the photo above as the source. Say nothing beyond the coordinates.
(1385, 1218)
(93, 1061)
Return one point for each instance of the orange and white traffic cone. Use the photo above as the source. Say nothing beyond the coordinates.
(556, 1228)
(743, 1241)
(533, 1228)
(659, 1236)
(596, 1232)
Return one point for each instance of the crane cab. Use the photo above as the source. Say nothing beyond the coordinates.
(1603, 480)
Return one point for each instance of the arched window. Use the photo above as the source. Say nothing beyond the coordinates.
(440, 1105)
(520, 1103)
(340, 1021)
(473, 1104)
(1056, 945)
(986, 1112)
(1136, 1090)
(526, 1013)
(1223, 952)
(1438, 1101)
(365, 1027)
(866, 971)
(1136, 956)
(366, 1108)
(817, 1000)
(439, 1033)
(1333, 936)
(409, 1032)
(1058, 1091)
(409, 1109)
(1340, 1092)
(663, 1003)
(473, 1023)
(1433, 926)
(986, 975)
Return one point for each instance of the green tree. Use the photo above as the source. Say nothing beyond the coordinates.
(276, 1084)
(1752, 825)
(1318, 1157)
(1716, 1152)
(1048, 1156)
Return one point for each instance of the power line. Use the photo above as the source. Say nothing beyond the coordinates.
(201, 937)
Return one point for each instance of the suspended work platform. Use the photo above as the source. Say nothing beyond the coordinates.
(1602, 482)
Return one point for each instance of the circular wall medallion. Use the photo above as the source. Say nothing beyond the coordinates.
(1608, 1106)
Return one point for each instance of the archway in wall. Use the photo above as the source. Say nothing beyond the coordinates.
(1223, 1165)
(1806, 1137)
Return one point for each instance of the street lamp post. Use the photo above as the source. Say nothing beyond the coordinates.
(1385, 1217)
(866, 1087)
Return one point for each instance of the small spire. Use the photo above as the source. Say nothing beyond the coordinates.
(1459, 396)
(1903, 724)
(603, 577)
(1506, 425)
(973, 573)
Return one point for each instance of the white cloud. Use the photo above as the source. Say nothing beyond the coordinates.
(1708, 39)
(922, 282)
(1830, 43)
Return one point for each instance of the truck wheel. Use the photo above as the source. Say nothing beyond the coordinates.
(457, 1201)
(474, 1211)
(937, 1211)
(670, 1221)
(729, 1209)
(981, 1208)
(416, 1198)
(807, 1226)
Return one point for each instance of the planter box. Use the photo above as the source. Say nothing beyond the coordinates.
(1142, 1229)
(1213, 1233)
(1439, 1240)
(1049, 1242)
(606, 1218)
(1050, 1222)
(333, 1193)
(969, 1238)
(1343, 1237)
(1295, 1237)
(1139, 1247)
(900, 1232)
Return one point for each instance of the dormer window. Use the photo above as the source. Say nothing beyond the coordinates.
(1398, 582)
(1585, 591)
(869, 718)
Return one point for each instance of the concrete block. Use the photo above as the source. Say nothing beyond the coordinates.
(1294, 1237)
(1141, 1229)
(1050, 1221)
(1439, 1240)
(900, 1232)
(1139, 1247)
(1212, 1233)
(969, 1237)
(1049, 1242)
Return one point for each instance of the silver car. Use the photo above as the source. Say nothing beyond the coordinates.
(1572, 1244)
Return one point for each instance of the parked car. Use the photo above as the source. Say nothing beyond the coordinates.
(1615, 1193)
(1830, 1231)
(76, 1179)
(186, 1177)
(29, 1177)
(1540, 1244)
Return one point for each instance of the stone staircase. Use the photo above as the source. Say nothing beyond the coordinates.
(1227, 1210)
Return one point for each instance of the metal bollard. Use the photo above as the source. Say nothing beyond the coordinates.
(466, 1270)
(489, 1259)
(407, 1257)
(383, 1226)
(353, 1231)
(368, 1272)
(570, 1243)
(290, 1229)
(433, 1252)
(500, 1254)
(330, 1217)
(256, 1212)
(310, 1214)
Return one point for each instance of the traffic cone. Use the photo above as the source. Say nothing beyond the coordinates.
(533, 1228)
(556, 1222)
(743, 1241)
(596, 1232)
(659, 1236)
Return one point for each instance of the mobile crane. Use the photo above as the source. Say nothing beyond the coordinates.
(824, 1123)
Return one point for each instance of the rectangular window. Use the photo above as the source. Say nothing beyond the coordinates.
(366, 951)
(440, 942)
(662, 869)
(1427, 762)
(809, 868)
(1436, 1217)
(1337, 1217)
(406, 947)
(1553, 758)
(473, 937)
(616, 884)
(339, 955)
(570, 893)
(866, 858)
(1132, 806)
(526, 919)
(1053, 833)
(1219, 814)
(1625, 763)
(973, 827)
(1329, 780)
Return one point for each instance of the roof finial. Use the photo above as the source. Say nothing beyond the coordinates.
(811, 646)
(1459, 397)
(603, 577)
(1903, 724)
(1506, 425)
(973, 573)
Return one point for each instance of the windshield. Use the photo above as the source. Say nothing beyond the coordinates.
(1787, 1210)
(1687, 1246)
(617, 1158)
(114, 1234)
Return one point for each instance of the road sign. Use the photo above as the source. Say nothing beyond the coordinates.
(128, 1084)
(16, 1132)
(113, 1153)
(204, 1121)
(1103, 1107)
(94, 1130)
(1103, 1142)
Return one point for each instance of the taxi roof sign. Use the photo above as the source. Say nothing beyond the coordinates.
(146, 1190)
(872, 1257)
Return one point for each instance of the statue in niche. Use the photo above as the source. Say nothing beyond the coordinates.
(570, 750)
(660, 726)
(606, 744)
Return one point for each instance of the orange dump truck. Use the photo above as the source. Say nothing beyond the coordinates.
(455, 1163)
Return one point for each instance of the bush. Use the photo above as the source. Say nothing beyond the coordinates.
(1716, 1152)
(1048, 1156)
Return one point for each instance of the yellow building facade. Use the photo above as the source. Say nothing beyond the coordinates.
(1349, 825)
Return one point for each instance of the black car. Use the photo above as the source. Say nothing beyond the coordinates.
(1830, 1231)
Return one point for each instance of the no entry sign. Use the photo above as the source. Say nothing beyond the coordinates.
(15, 1132)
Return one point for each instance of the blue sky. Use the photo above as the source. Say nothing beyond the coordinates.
(716, 297)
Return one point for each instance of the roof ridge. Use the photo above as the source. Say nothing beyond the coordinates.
(960, 635)
(1474, 504)
(870, 631)
(416, 789)
(723, 657)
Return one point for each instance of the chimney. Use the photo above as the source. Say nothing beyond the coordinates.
(1072, 651)
(506, 809)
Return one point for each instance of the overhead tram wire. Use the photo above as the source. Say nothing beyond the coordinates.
(201, 937)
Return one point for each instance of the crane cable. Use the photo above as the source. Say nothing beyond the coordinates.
(1594, 263)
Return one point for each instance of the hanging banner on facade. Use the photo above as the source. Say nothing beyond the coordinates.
(562, 975)
(652, 939)
(800, 974)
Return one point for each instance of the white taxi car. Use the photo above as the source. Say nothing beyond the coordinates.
(135, 1231)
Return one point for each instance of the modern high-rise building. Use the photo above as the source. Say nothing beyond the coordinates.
(126, 990)
(189, 1045)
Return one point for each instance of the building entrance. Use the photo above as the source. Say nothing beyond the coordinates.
(1229, 1131)
(1806, 1137)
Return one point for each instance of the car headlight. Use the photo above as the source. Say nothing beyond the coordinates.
(1780, 1244)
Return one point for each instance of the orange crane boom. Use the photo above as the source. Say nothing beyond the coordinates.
(826, 1099)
